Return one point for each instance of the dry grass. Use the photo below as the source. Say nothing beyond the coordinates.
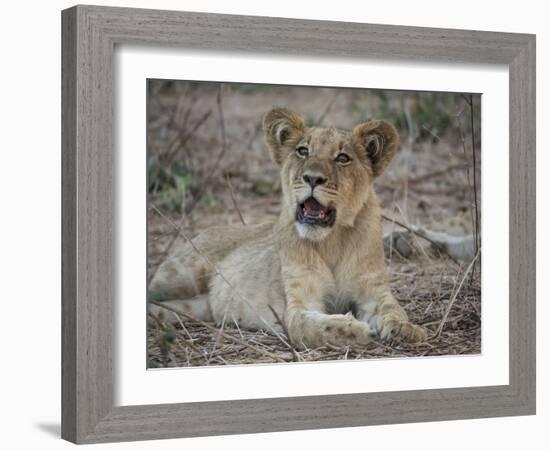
(215, 135)
(425, 294)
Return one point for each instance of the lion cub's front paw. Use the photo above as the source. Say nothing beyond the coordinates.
(403, 332)
(339, 330)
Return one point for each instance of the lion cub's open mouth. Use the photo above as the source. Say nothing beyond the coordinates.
(311, 212)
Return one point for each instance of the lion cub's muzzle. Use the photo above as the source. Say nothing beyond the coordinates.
(311, 212)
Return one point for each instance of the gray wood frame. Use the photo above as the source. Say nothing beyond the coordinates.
(89, 36)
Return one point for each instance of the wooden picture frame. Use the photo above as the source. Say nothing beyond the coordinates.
(90, 34)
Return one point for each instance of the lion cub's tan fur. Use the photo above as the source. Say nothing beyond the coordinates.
(327, 283)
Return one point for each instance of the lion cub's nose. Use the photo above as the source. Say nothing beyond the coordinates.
(314, 180)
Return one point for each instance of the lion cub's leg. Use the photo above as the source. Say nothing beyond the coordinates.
(197, 307)
(189, 268)
(408, 244)
(387, 318)
(305, 318)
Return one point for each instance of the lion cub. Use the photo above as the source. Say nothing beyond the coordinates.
(320, 266)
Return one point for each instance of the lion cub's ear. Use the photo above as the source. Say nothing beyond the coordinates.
(379, 139)
(283, 129)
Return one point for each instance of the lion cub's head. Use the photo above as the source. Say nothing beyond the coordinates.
(326, 173)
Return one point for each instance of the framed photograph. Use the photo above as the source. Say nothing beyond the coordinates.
(217, 223)
(278, 224)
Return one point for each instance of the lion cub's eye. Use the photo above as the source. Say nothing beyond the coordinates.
(302, 152)
(342, 158)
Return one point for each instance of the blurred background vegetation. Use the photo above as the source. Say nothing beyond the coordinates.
(207, 161)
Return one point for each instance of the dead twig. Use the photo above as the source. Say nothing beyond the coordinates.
(157, 321)
(425, 177)
(182, 138)
(473, 189)
(164, 328)
(434, 135)
(170, 244)
(455, 295)
(206, 182)
(219, 332)
(474, 169)
(232, 193)
(253, 136)
(327, 109)
(295, 355)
